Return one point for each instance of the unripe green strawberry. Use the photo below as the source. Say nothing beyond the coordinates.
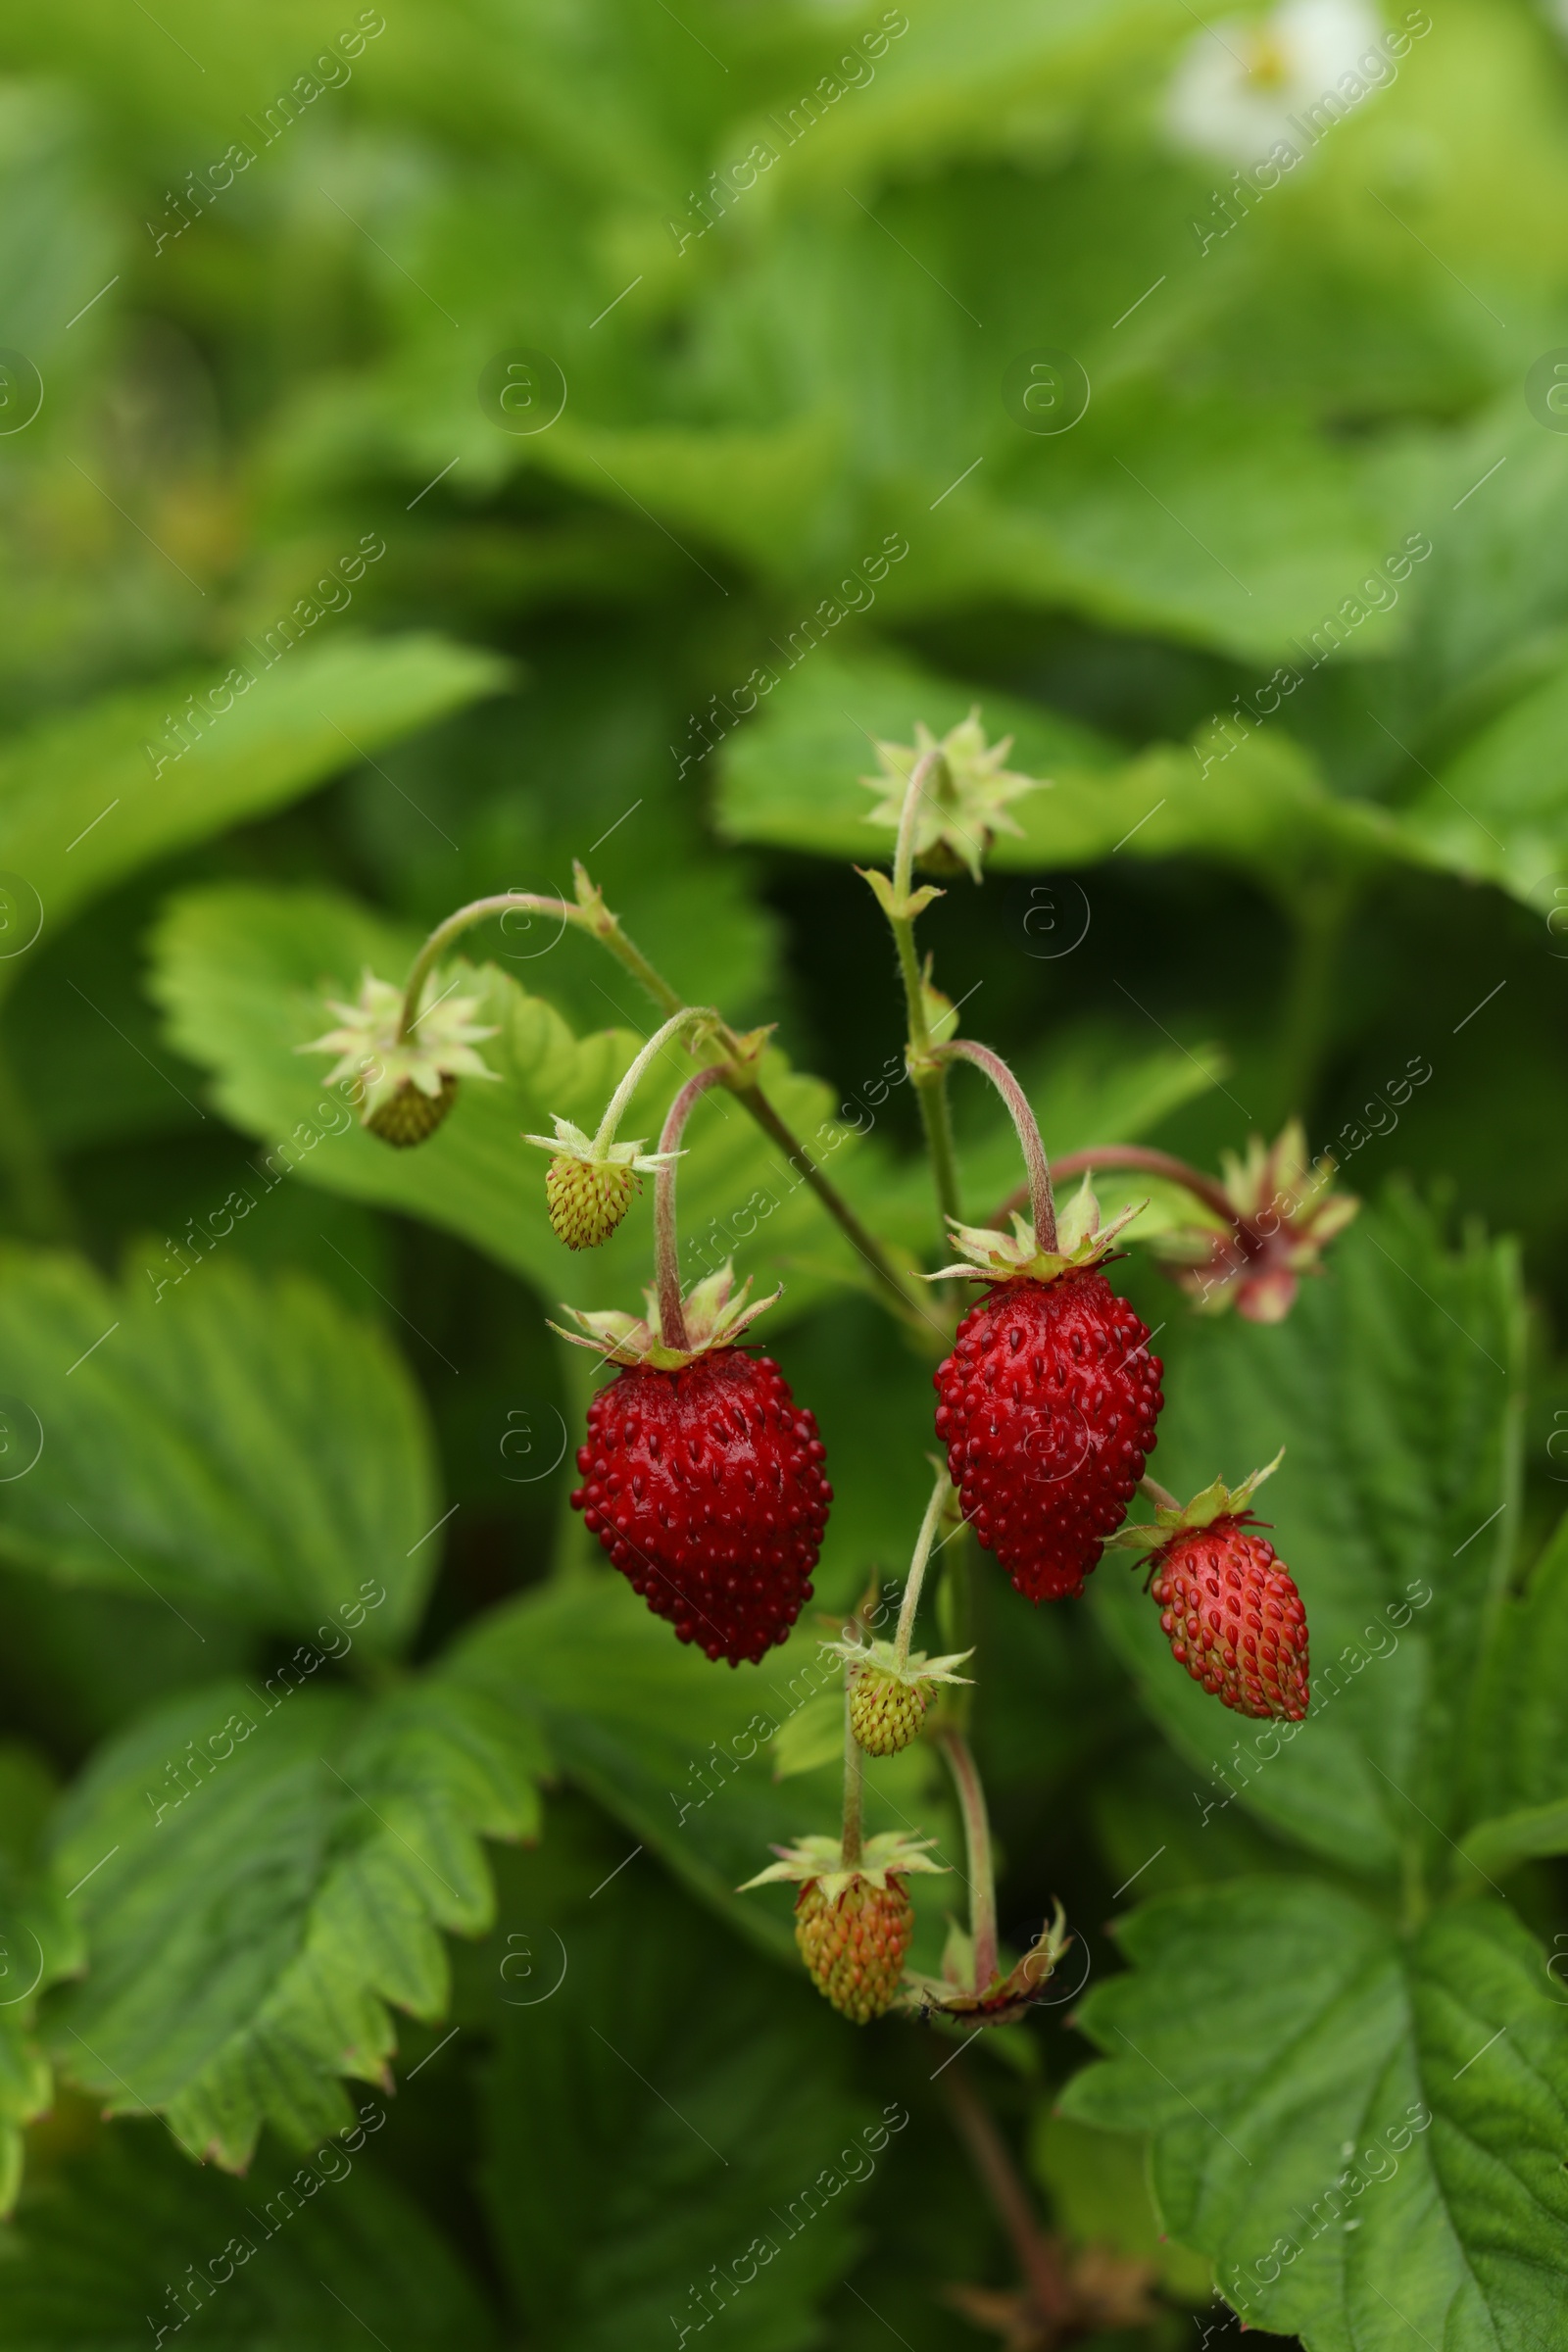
(885, 1712)
(588, 1199)
(854, 1943)
(409, 1115)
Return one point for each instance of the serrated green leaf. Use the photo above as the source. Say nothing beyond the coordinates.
(1364, 2131)
(39, 1943)
(83, 803)
(1394, 1386)
(132, 2244)
(249, 1922)
(243, 1444)
(680, 1751)
(244, 974)
(1099, 2189)
(1518, 1749)
(1499, 810)
(672, 2112)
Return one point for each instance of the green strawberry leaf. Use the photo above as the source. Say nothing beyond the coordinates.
(680, 1751)
(84, 804)
(131, 2243)
(671, 2137)
(1363, 2129)
(1497, 809)
(243, 973)
(1518, 1747)
(212, 1437)
(261, 1870)
(1394, 1386)
(39, 1943)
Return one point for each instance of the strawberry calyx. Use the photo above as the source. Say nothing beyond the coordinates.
(1009, 1995)
(1173, 1519)
(715, 1316)
(1081, 1242)
(964, 795)
(882, 1657)
(819, 1861)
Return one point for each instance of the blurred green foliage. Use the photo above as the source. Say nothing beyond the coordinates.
(1283, 615)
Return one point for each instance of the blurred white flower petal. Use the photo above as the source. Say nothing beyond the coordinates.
(1239, 81)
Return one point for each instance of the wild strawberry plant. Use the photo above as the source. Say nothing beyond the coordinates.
(1337, 2040)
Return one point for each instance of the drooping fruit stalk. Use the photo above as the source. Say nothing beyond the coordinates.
(589, 913)
(592, 1179)
(889, 1690)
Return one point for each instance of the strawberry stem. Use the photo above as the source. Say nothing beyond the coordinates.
(666, 1242)
(930, 1078)
(854, 1788)
(977, 1842)
(1041, 1203)
(922, 1554)
(591, 915)
(1038, 2259)
(691, 1015)
(1207, 1189)
(1160, 1496)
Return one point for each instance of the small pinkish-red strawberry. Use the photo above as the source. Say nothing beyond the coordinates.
(1234, 1617)
(1048, 1410)
(704, 1485)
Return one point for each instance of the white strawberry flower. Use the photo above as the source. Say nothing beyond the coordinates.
(1241, 80)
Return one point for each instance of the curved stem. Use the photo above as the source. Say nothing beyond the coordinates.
(692, 1015)
(505, 901)
(854, 1788)
(914, 794)
(977, 1842)
(930, 1079)
(1042, 1205)
(666, 1243)
(591, 915)
(922, 1552)
(1207, 1189)
(858, 1236)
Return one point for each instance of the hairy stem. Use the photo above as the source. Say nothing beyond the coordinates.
(922, 1554)
(930, 1079)
(1037, 2259)
(1207, 1189)
(591, 915)
(692, 1017)
(752, 1097)
(666, 1242)
(1041, 1203)
(977, 1842)
(478, 910)
(854, 1789)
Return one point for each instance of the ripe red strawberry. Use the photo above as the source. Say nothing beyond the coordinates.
(1048, 1410)
(853, 1942)
(1234, 1617)
(704, 1485)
